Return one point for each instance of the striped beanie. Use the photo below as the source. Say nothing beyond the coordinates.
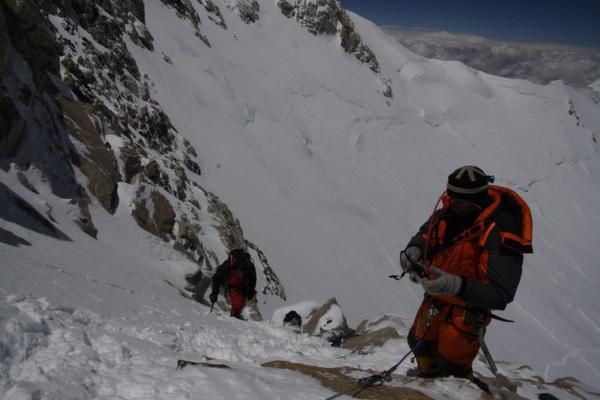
(468, 183)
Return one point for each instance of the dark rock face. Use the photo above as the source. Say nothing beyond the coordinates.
(353, 44)
(98, 163)
(185, 10)
(132, 163)
(328, 17)
(248, 10)
(214, 14)
(29, 58)
(4, 43)
(154, 213)
(286, 8)
(31, 35)
(319, 18)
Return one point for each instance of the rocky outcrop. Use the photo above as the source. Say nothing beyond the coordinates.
(353, 44)
(228, 226)
(374, 334)
(328, 17)
(186, 10)
(132, 163)
(328, 322)
(4, 43)
(30, 64)
(96, 161)
(14, 126)
(214, 14)
(31, 36)
(318, 17)
(154, 213)
(248, 10)
(343, 380)
(273, 285)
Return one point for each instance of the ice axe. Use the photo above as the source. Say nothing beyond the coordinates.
(501, 381)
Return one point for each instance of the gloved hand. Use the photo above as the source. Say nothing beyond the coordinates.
(250, 293)
(444, 284)
(213, 297)
(412, 255)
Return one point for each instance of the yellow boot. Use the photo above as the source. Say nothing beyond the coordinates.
(428, 367)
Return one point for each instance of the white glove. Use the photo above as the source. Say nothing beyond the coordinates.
(412, 255)
(444, 284)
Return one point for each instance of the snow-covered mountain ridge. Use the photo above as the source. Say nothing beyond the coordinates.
(121, 115)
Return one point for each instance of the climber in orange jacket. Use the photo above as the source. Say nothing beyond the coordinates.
(468, 257)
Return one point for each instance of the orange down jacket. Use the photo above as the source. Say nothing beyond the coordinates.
(488, 253)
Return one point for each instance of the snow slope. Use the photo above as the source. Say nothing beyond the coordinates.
(330, 178)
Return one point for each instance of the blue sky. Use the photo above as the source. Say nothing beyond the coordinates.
(568, 22)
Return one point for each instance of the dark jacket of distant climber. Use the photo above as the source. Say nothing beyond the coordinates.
(237, 275)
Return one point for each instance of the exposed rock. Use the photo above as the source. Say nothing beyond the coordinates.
(28, 90)
(156, 127)
(10, 135)
(32, 36)
(141, 36)
(97, 163)
(273, 285)
(132, 163)
(387, 92)
(214, 14)
(192, 166)
(189, 148)
(324, 17)
(84, 220)
(248, 10)
(343, 380)
(154, 213)
(370, 339)
(25, 182)
(229, 227)
(152, 171)
(137, 8)
(319, 17)
(188, 242)
(353, 44)
(185, 9)
(4, 43)
(286, 8)
(328, 322)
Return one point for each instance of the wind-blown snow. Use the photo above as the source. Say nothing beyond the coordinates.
(330, 179)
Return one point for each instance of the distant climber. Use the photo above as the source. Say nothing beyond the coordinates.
(468, 257)
(237, 275)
